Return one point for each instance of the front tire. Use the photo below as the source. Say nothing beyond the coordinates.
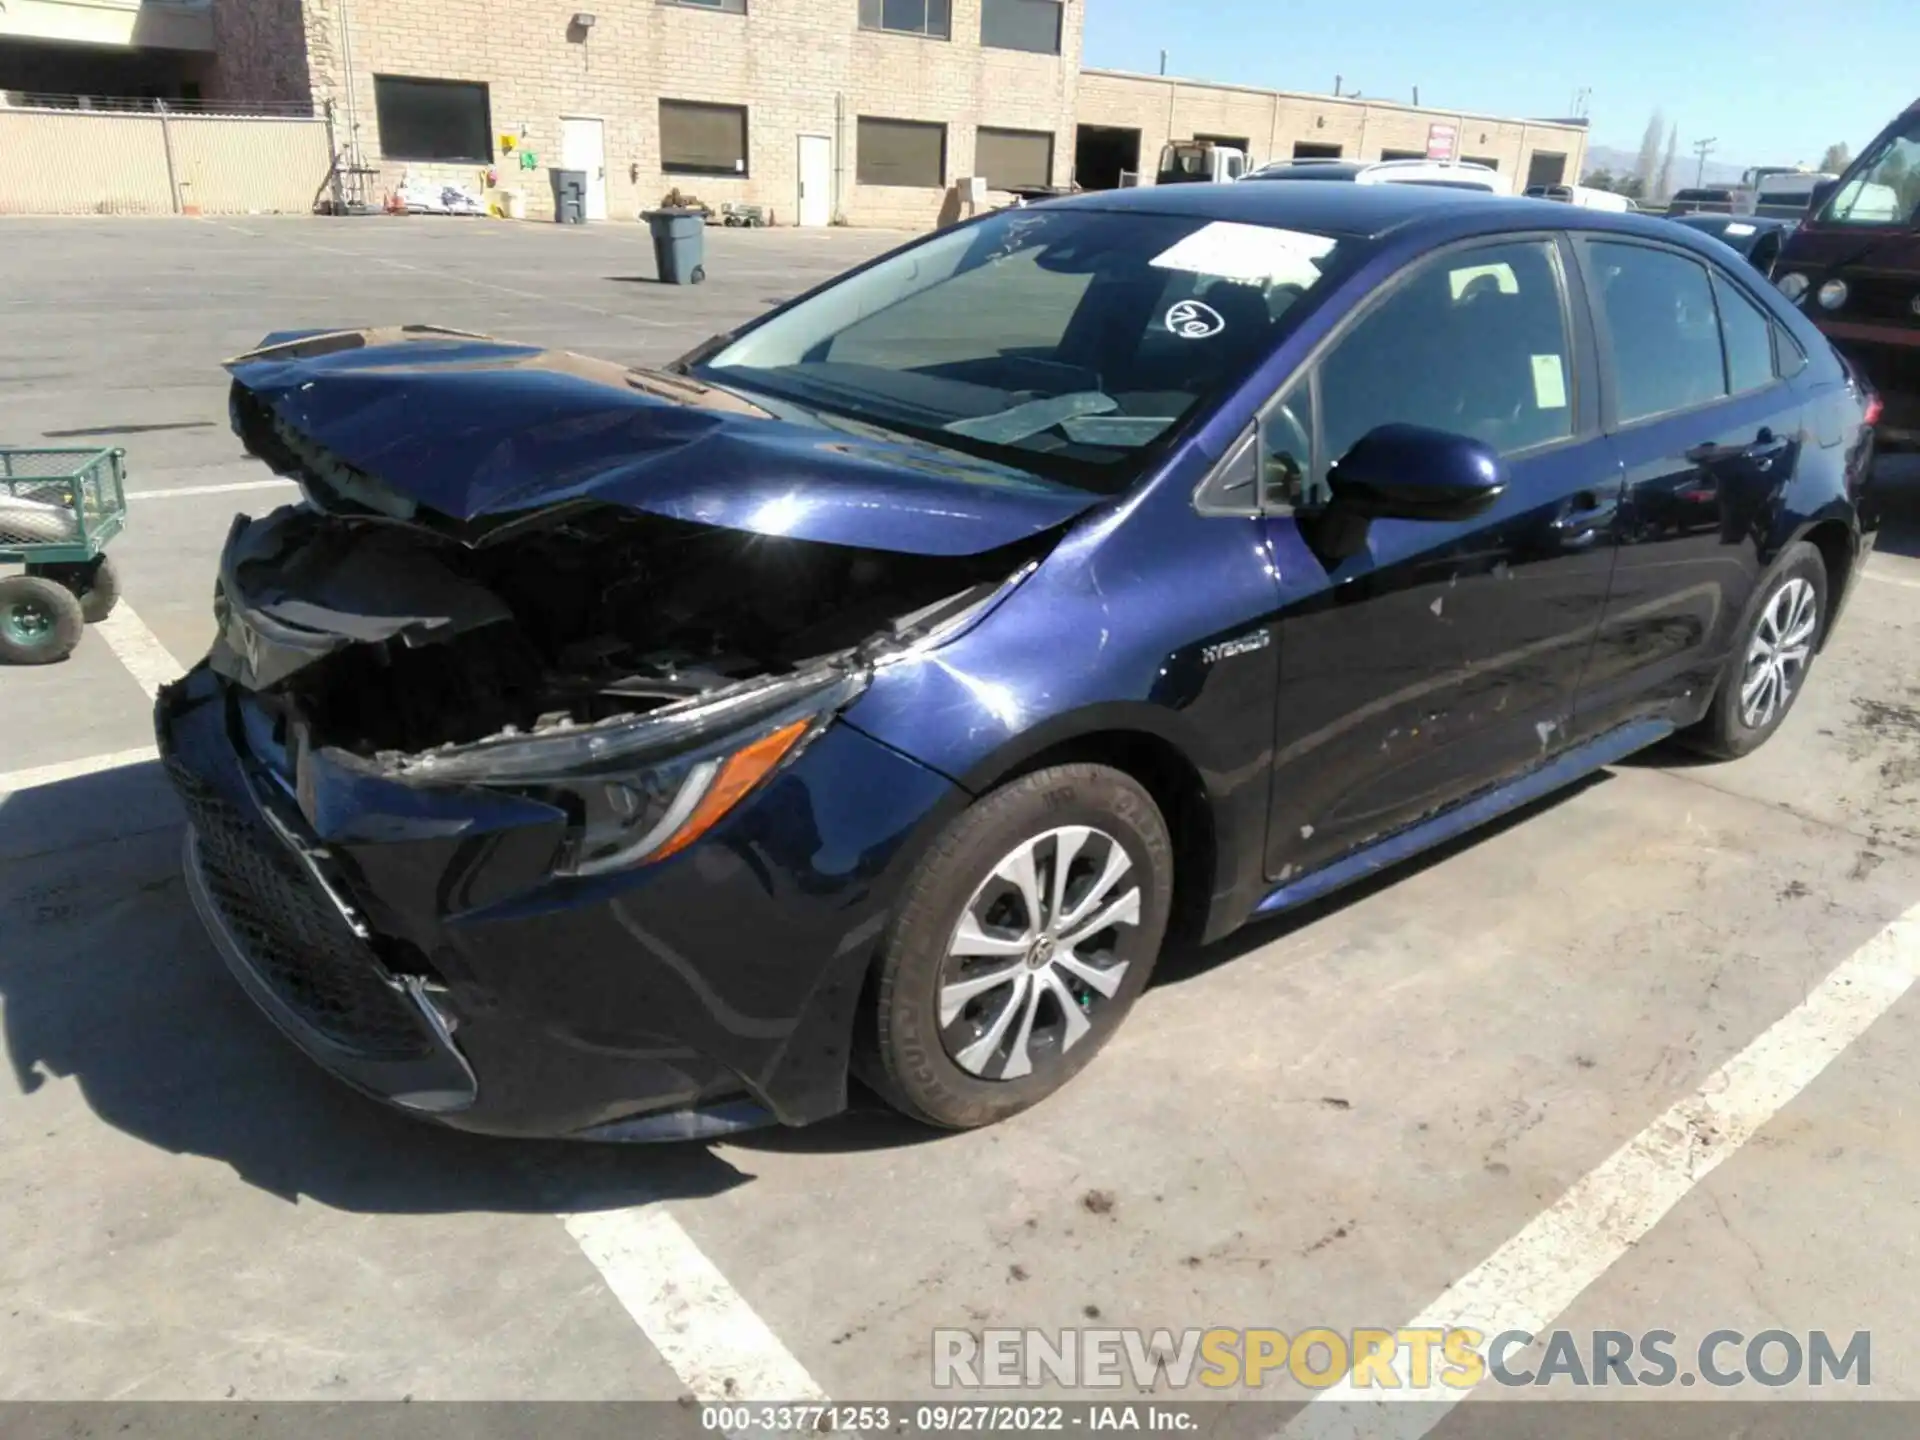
(1768, 667)
(40, 620)
(1025, 935)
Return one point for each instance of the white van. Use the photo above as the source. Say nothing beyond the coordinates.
(1447, 174)
(1583, 196)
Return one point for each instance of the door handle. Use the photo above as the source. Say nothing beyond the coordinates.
(1588, 516)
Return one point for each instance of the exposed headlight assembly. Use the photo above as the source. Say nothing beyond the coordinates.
(1832, 295)
(639, 790)
(1792, 285)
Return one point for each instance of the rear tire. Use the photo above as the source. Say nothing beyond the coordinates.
(985, 1007)
(97, 584)
(40, 620)
(1771, 656)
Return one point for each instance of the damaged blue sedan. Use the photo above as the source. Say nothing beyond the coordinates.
(878, 690)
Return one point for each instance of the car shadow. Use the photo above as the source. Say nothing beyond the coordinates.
(1187, 962)
(1896, 489)
(107, 982)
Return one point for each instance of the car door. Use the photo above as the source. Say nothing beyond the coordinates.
(1708, 430)
(1422, 661)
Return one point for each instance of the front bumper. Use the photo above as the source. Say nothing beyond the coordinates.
(415, 942)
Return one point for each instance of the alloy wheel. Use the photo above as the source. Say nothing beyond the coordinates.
(1777, 656)
(1036, 954)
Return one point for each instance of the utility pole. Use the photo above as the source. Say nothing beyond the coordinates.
(1702, 148)
(1163, 62)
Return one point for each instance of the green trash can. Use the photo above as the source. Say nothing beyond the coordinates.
(679, 245)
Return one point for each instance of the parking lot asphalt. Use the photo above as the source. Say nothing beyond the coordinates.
(1328, 1120)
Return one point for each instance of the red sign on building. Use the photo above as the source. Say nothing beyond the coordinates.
(1443, 141)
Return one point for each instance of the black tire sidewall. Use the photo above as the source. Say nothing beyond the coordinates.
(916, 1073)
(1732, 735)
(68, 623)
(102, 592)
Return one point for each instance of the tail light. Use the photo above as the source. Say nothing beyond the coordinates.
(1874, 407)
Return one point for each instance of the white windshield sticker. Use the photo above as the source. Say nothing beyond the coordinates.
(1549, 383)
(1738, 229)
(1257, 253)
(1191, 320)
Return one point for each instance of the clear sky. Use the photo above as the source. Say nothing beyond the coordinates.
(1774, 82)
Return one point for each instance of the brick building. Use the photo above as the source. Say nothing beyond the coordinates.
(864, 112)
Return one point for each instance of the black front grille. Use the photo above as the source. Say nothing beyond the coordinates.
(291, 934)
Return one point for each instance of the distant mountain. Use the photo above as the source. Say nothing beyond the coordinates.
(1685, 165)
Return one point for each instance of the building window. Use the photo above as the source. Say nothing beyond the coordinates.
(433, 119)
(900, 152)
(1315, 150)
(1013, 157)
(1546, 168)
(701, 139)
(732, 7)
(1021, 25)
(1403, 154)
(1492, 162)
(932, 18)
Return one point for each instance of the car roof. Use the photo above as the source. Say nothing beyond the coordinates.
(1364, 211)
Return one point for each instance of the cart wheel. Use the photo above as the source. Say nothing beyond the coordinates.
(40, 620)
(96, 582)
(699, 274)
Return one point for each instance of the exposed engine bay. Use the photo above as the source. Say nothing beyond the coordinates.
(388, 639)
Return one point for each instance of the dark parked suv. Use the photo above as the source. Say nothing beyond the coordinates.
(626, 753)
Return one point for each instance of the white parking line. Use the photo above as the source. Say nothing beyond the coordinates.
(716, 1344)
(1873, 574)
(14, 781)
(185, 490)
(1531, 1280)
(139, 649)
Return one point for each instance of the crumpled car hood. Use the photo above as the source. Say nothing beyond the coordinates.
(475, 429)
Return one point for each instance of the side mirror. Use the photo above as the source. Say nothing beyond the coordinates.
(1822, 192)
(1408, 472)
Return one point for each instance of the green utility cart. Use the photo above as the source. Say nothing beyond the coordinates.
(58, 510)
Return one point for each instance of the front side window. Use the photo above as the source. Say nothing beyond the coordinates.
(931, 18)
(1664, 328)
(1474, 344)
(1749, 339)
(1883, 187)
(445, 120)
(1069, 342)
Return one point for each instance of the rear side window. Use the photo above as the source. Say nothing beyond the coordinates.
(1789, 358)
(1664, 328)
(1749, 339)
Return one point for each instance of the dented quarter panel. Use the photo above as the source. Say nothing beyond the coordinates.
(477, 429)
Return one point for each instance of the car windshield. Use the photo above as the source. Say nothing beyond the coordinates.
(1883, 186)
(1071, 343)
